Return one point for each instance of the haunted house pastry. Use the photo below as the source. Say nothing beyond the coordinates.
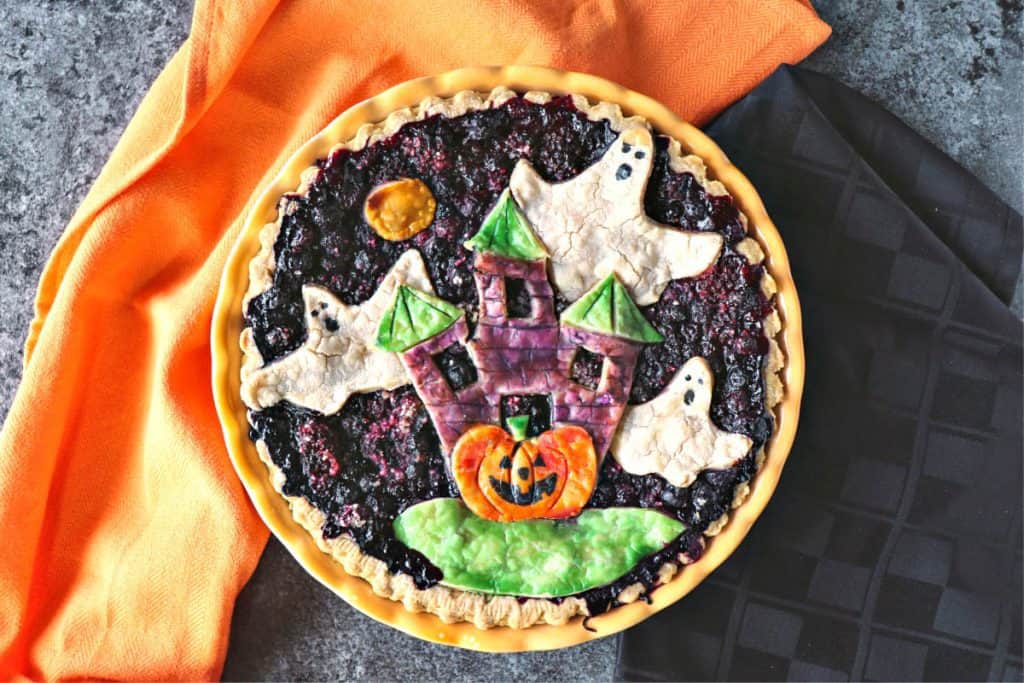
(520, 349)
(510, 358)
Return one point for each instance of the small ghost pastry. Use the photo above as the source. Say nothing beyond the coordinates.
(338, 357)
(673, 435)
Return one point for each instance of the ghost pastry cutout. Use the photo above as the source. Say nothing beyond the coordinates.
(338, 357)
(673, 435)
(594, 224)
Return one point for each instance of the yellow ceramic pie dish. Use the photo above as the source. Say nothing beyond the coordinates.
(274, 509)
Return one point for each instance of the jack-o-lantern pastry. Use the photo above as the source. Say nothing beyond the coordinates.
(508, 477)
(510, 357)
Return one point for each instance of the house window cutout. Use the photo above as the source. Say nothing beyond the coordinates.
(456, 366)
(518, 303)
(586, 368)
(537, 406)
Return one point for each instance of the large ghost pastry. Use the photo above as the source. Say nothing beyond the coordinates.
(594, 224)
(673, 435)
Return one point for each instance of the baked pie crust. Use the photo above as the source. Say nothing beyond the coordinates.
(451, 604)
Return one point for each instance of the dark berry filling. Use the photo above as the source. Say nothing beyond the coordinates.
(456, 366)
(586, 368)
(536, 406)
(362, 467)
(380, 454)
(517, 298)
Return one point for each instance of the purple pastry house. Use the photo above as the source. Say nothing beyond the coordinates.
(519, 348)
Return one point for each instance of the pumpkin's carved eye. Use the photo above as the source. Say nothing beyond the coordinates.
(506, 463)
(538, 461)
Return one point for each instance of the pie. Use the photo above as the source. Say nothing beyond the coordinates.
(510, 357)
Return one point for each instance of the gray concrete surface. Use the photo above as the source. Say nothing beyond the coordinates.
(72, 74)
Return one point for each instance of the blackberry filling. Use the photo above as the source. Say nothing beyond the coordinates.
(517, 298)
(535, 406)
(456, 366)
(586, 368)
(380, 454)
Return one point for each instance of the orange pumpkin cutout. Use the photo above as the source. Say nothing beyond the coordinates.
(505, 477)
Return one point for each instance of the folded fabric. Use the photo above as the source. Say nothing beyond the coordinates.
(891, 548)
(127, 534)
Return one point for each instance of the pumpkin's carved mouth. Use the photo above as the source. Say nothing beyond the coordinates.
(532, 494)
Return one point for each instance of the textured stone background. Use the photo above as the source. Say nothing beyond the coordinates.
(72, 74)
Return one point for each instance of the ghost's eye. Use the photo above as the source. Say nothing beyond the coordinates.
(626, 147)
(700, 381)
(323, 305)
(314, 313)
(639, 154)
(687, 378)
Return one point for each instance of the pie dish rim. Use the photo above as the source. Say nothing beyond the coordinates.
(274, 509)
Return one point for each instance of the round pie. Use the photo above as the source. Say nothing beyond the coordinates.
(511, 357)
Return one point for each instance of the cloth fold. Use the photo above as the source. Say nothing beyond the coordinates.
(891, 549)
(128, 534)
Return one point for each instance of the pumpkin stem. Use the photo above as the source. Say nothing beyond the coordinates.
(517, 426)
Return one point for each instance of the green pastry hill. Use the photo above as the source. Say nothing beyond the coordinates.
(536, 557)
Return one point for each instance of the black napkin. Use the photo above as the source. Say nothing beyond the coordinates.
(892, 547)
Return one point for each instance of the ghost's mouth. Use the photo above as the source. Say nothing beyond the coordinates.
(688, 397)
(533, 494)
(624, 171)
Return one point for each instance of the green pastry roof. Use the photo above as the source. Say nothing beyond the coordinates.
(506, 232)
(414, 317)
(608, 309)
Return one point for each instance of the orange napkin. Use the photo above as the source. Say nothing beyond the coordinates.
(126, 534)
